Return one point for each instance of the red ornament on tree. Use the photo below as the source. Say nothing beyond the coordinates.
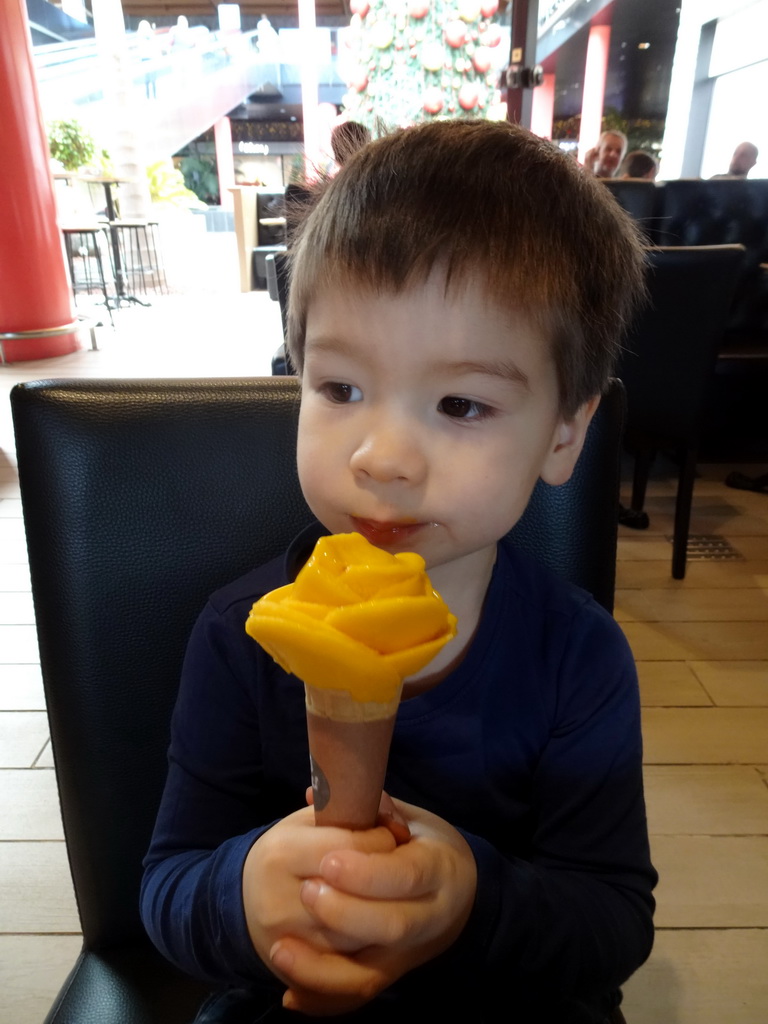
(488, 8)
(455, 34)
(418, 9)
(491, 36)
(481, 58)
(468, 96)
(433, 101)
(360, 7)
(359, 80)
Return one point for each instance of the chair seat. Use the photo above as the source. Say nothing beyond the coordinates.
(134, 985)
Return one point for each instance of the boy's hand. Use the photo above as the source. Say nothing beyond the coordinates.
(277, 866)
(398, 908)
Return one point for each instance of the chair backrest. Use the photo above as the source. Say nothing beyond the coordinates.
(641, 199)
(277, 268)
(140, 498)
(723, 211)
(669, 355)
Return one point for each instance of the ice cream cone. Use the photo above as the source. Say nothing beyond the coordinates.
(360, 618)
(348, 746)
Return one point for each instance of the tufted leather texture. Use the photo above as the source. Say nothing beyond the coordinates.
(140, 498)
(725, 212)
(641, 200)
(692, 212)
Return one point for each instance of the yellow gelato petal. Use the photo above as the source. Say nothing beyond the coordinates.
(329, 589)
(289, 607)
(392, 624)
(325, 658)
(412, 661)
(371, 582)
(347, 549)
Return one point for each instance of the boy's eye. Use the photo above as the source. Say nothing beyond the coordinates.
(342, 393)
(462, 408)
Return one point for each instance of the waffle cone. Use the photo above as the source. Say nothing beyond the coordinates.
(349, 744)
(341, 706)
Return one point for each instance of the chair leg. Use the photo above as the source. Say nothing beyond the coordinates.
(683, 512)
(643, 462)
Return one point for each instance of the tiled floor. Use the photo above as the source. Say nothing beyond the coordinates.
(701, 646)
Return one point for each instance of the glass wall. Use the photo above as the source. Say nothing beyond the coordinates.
(739, 67)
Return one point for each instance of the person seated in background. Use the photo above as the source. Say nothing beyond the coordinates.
(639, 164)
(743, 160)
(603, 159)
(347, 138)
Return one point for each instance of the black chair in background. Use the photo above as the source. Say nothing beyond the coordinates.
(668, 367)
(641, 201)
(277, 269)
(140, 498)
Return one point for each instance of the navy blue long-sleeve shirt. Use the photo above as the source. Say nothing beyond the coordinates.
(531, 748)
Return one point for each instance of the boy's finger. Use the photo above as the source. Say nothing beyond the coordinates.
(363, 922)
(392, 818)
(302, 851)
(406, 873)
(326, 974)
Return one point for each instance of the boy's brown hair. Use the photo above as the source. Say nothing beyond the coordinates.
(347, 138)
(487, 202)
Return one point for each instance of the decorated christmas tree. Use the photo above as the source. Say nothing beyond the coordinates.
(413, 60)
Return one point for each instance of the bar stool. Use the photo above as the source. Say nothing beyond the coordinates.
(140, 255)
(86, 262)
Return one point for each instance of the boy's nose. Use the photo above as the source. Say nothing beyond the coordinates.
(388, 454)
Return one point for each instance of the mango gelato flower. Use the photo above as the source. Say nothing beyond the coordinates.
(357, 619)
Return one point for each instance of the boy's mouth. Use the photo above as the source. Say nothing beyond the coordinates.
(386, 534)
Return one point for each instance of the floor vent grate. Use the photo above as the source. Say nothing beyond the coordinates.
(703, 547)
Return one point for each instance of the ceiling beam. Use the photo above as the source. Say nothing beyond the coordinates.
(253, 8)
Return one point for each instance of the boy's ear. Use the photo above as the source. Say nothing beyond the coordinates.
(567, 442)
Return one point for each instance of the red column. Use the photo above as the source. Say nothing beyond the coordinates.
(34, 286)
(595, 70)
(542, 114)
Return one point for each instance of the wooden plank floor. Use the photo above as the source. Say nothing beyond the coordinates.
(702, 651)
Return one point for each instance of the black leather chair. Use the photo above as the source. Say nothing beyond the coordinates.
(726, 211)
(668, 367)
(278, 269)
(640, 199)
(140, 498)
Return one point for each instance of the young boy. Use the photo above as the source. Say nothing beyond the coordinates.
(457, 298)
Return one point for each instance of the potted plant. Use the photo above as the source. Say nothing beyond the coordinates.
(70, 144)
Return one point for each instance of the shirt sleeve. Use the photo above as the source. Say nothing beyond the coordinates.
(574, 919)
(214, 807)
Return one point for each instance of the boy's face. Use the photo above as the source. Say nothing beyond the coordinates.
(426, 420)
